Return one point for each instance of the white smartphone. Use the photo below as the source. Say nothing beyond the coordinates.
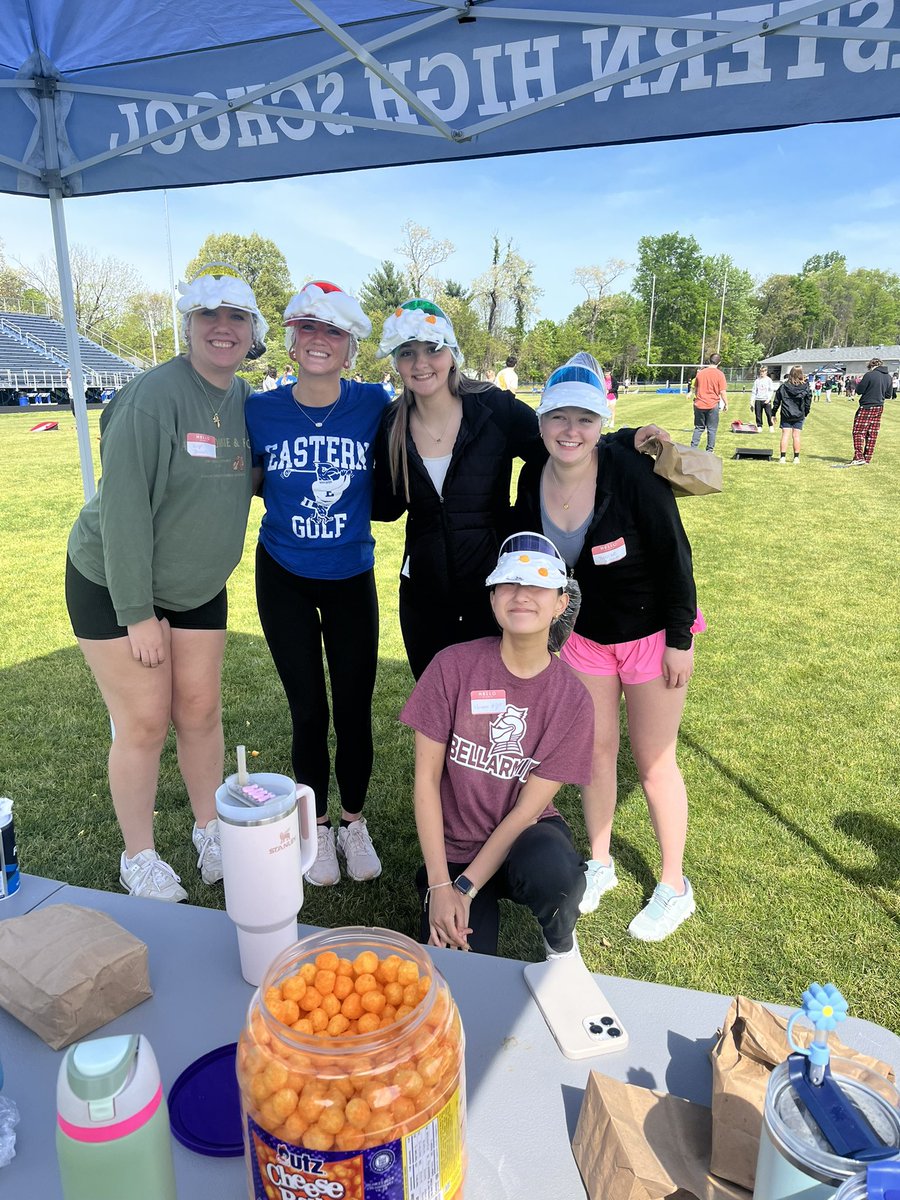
(580, 1017)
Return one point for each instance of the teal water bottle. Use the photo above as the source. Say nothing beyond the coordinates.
(825, 1118)
(112, 1134)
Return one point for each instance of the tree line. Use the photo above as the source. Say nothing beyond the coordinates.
(699, 303)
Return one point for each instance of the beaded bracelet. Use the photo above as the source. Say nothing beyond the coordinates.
(433, 888)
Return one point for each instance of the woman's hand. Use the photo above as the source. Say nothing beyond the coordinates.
(677, 667)
(148, 645)
(646, 432)
(448, 918)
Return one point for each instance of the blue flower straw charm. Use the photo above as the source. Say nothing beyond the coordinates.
(823, 1007)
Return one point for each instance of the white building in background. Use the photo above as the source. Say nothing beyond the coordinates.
(843, 360)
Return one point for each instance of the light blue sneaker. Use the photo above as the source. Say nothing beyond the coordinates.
(601, 878)
(663, 913)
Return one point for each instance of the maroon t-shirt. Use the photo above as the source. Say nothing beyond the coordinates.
(498, 729)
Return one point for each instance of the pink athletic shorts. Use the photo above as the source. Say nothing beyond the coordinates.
(634, 662)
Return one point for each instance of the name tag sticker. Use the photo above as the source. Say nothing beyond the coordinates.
(201, 445)
(488, 701)
(609, 552)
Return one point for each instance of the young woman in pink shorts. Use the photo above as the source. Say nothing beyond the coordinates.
(617, 526)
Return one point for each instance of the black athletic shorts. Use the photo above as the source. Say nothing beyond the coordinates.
(93, 616)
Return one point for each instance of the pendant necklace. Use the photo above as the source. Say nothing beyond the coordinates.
(565, 503)
(318, 424)
(213, 411)
(443, 431)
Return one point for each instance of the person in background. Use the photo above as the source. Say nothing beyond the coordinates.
(872, 390)
(315, 579)
(287, 376)
(388, 384)
(710, 396)
(148, 560)
(270, 380)
(761, 398)
(508, 378)
(500, 725)
(795, 400)
(617, 526)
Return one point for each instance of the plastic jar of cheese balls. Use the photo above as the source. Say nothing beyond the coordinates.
(351, 1071)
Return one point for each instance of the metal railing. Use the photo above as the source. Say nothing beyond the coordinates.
(47, 309)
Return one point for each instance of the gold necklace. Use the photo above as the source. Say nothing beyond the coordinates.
(574, 492)
(214, 411)
(318, 424)
(453, 412)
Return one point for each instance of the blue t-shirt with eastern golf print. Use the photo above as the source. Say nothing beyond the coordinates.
(317, 478)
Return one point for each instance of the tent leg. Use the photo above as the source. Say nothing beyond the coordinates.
(73, 346)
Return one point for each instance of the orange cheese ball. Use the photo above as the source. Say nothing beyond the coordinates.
(324, 981)
(365, 983)
(366, 963)
(327, 961)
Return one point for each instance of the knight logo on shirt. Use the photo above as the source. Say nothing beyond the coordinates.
(503, 758)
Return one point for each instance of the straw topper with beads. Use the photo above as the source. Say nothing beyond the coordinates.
(419, 321)
(218, 285)
(325, 302)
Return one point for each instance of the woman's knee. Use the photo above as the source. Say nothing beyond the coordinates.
(197, 712)
(140, 729)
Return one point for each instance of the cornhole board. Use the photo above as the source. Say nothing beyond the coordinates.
(44, 427)
(763, 453)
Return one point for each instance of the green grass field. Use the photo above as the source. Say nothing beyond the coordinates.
(788, 746)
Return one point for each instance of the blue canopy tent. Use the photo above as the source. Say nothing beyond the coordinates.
(105, 98)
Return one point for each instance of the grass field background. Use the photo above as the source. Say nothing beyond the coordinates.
(788, 745)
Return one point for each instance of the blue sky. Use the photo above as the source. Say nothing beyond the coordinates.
(768, 199)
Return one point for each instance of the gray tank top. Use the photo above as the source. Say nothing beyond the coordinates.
(569, 545)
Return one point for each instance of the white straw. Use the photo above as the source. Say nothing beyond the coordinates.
(243, 777)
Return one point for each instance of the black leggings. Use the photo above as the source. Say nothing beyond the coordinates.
(761, 407)
(543, 871)
(297, 616)
(435, 626)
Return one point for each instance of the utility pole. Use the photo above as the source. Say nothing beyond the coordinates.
(722, 312)
(650, 330)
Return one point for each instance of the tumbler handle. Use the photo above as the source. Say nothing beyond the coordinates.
(306, 809)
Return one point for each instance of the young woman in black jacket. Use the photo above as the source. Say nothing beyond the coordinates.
(795, 400)
(617, 526)
(444, 457)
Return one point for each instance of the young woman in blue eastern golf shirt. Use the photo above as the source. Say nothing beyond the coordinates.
(315, 580)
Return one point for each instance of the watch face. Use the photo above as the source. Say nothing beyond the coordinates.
(463, 884)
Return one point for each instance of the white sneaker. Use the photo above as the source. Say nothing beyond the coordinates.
(355, 847)
(663, 913)
(209, 851)
(325, 871)
(601, 878)
(551, 954)
(148, 876)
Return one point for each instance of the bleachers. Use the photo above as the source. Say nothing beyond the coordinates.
(34, 358)
(52, 333)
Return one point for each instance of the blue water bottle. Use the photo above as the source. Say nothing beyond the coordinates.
(9, 859)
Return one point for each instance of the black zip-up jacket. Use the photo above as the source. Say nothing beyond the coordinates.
(635, 570)
(874, 388)
(452, 540)
(794, 400)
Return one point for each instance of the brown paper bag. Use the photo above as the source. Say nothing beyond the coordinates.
(632, 1143)
(65, 971)
(690, 472)
(752, 1043)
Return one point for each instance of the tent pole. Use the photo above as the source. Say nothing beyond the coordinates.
(73, 347)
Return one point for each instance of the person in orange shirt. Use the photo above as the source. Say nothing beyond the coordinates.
(710, 395)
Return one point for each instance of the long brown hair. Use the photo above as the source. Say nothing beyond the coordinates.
(398, 459)
(796, 375)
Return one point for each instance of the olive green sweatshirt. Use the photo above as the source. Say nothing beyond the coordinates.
(167, 524)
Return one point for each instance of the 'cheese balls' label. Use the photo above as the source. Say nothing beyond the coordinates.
(426, 1164)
